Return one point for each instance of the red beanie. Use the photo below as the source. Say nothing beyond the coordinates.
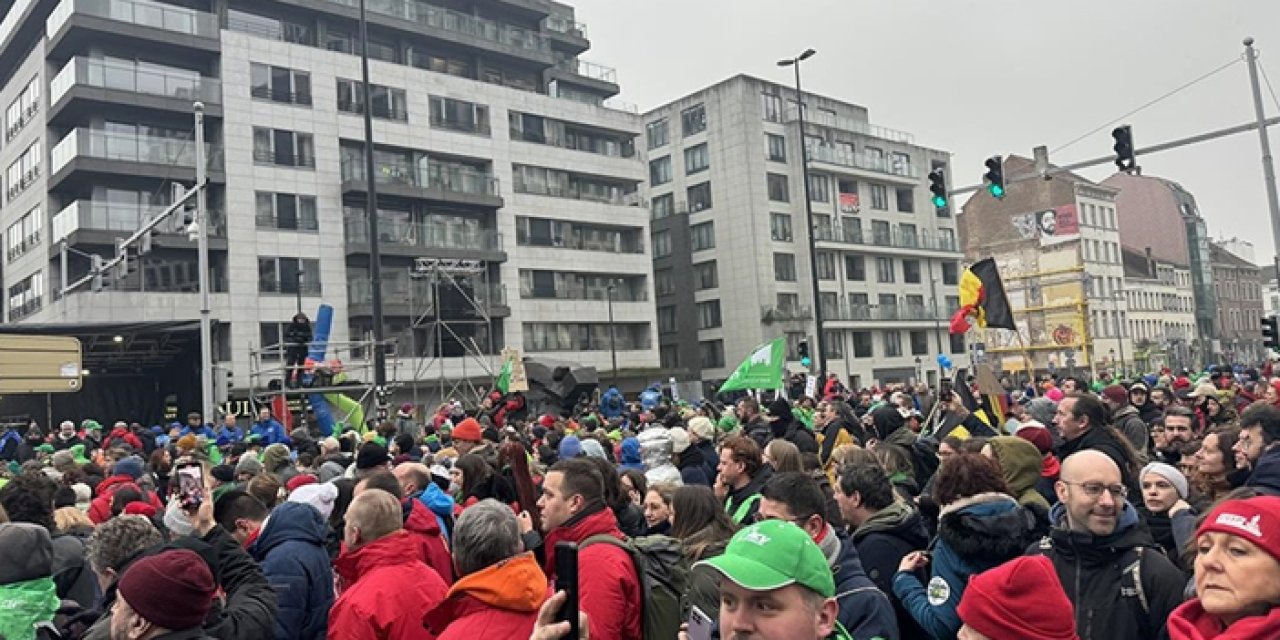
(173, 589)
(468, 431)
(1181, 382)
(547, 421)
(1116, 394)
(1037, 435)
(299, 480)
(140, 509)
(1256, 520)
(1021, 598)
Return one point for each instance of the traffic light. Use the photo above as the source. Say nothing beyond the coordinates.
(803, 350)
(938, 187)
(1270, 333)
(1125, 159)
(995, 176)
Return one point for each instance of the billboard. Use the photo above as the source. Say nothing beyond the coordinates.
(39, 364)
(849, 203)
(1051, 226)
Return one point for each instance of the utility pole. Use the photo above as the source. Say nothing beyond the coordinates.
(1268, 170)
(371, 210)
(202, 249)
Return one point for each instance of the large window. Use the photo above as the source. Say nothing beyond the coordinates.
(556, 183)
(702, 236)
(23, 108)
(24, 234)
(288, 275)
(855, 268)
(662, 206)
(919, 343)
(388, 103)
(956, 343)
(780, 227)
(711, 354)
(784, 267)
(906, 199)
(280, 84)
(27, 296)
(699, 196)
(584, 336)
(950, 273)
(660, 171)
(661, 244)
(826, 265)
(772, 106)
(666, 319)
(24, 171)
(562, 234)
(705, 275)
(283, 148)
(458, 115)
(658, 133)
(879, 197)
(709, 314)
(693, 120)
(696, 159)
(862, 344)
(775, 147)
(285, 211)
(892, 344)
(911, 271)
(779, 190)
(884, 270)
(819, 188)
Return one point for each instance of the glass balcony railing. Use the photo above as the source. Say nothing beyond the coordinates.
(140, 12)
(124, 76)
(106, 216)
(562, 24)
(457, 22)
(445, 178)
(848, 124)
(399, 288)
(864, 161)
(125, 147)
(856, 312)
(896, 239)
(589, 70)
(421, 235)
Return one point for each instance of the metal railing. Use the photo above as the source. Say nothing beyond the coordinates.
(281, 96)
(432, 176)
(125, 76)
(864, 161)
(140, 12)
(279, 159)
(575, 191)
(307, 286)
(105, 216)
(477, 126)
(417, 234)
(584, 292)
(819, 117)
(398, 289)
(25, 309)
(566, 25)
(880, 312)
(270, 221)
(125, 147)
(589, 240)
(770, 313)
(588, 70)
(895, 238)
(457, 22)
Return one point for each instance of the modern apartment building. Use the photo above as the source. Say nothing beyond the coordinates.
(726, 193)
(495, 152)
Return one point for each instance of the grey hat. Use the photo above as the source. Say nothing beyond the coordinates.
(26, 552)
(592, 448)
(249, 464)
(1169, 473)
(1042, 410)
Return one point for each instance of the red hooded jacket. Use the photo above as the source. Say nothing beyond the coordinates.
(426, 529)
(1190, 622)
(100, 508)
(499, 601)
(126, 435)
(389, 589)
(608, 585)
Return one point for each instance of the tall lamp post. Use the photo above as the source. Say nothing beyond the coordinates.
(1118, 298)
(613, 344)
(819, 339)
(371, 211)
(300, 274)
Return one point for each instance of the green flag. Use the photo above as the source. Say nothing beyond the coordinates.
(762, 369)
(504, 376)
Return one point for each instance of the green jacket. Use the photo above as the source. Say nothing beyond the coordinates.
(23, 605)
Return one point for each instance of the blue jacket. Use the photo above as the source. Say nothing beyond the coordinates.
(203, 430)
(270, 432)
(974, 534)
(649, 398)
(612, 403)
(291, 550)
(227, 436)
(631, 455)
(440, 504)
(865, 610)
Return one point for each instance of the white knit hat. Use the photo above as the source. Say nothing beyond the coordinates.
(1169, 473)
(320, 496)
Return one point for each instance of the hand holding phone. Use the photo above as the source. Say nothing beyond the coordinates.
(699, 625)
(190, 485)
(567, 581)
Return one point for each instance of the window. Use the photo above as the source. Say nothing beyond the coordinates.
(657, 133)
(780, 227)
(280, 84)
(23, 108)
(24, 234)
(693, 120)
(779, 191)
(892, 344)
(953, 304)
(283, 148)
(788, 302)
(285, 211)
(702, 236)
(705, 276)
(584, 336)
(288, 275)
(956, 342)
(784, 267)
(950, 273)
(661, 244)
(662, 206)
(819, 189)
(884, 269)
(666, 319)
(27, 296)
(826, 265)
(901, 164)
(775, 147)
(699, 196)
(911, 271)
(709, 314)
(907, 236)
(663, 283)
(855, 268)
(556, 183)
(562, 234)
(828, 301)
(696, 159)
(906, 199)
(271, 334)
(772, 106)
(24, 171)
(879, 197)
(711, 353)
(660, 171)
(669, 356)
(880, 232)
(919, 343)
(455, 115)
(862, 344)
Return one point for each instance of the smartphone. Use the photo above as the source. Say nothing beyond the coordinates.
(190, 485)
(567, 581)
(945, 393)
(699, 625)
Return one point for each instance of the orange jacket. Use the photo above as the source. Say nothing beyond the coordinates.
(499, 601)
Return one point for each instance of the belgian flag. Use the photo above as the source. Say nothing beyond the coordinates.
(982, 295)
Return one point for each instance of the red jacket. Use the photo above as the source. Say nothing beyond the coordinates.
(1190, 622)
(100, 508)
(608, 586)
(127, 436)
(424, 526)
(499, 601)
(389, 589)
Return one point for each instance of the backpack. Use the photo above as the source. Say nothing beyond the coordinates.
(664, 577)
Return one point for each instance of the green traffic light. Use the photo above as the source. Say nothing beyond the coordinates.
(804, 362)
(996, 190)
(939, 202)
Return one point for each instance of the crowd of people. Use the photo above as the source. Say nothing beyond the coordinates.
(1057, 509)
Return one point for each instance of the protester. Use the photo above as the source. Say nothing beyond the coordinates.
(740, 476)
(1257, 448)
(1216, 473)
(1018, 599)
(1126, 418)
(167, 595)
(1081, 418)
(657, 509)
(418, 521)
(28, 596)
(1169, 518)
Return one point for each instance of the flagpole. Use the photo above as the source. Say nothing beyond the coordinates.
(1026, 356)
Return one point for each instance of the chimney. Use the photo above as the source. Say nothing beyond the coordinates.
(1151, 262)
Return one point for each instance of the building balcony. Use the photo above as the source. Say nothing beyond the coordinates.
(403, 296)
(461, 29)
(621, 294)
(573, 191)
(92, 151)
(90, 222)
(863, 164)
(566, 33)
(596, 77)
(434, 183)
(409, 239)
(85, 86)
(881, 313)
(842, 123)
(910, 242)
(75, 24)
(771, 314)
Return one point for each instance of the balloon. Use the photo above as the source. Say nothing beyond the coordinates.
(944, 361)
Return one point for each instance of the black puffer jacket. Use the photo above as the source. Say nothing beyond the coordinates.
(1106, 440)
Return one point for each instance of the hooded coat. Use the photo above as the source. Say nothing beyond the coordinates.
(100, 509)
(974, 534)
(865, 611)
(1021, 464)
(275, 460)
(499, 601)
(612, 404)
(883, 541)
(1130, 423)
(609, 590)
(27, 593)
(631, 455)
(693, 466)
(425, 528)
(291, 551)
(389, 590)
(1266, 472)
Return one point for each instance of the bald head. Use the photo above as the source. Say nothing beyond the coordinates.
(413, 476)
(1088, 462)
(373, 514)
(1091, 492)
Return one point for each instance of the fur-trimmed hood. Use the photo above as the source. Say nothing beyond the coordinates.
(988, 528)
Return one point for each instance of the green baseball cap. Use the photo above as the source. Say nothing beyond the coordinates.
(774, 554)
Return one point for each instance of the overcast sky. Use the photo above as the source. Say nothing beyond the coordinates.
(981, 78)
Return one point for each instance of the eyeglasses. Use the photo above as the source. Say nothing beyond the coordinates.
(1095, 489)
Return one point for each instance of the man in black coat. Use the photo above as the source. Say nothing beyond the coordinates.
(1081, 419)
(784, 425)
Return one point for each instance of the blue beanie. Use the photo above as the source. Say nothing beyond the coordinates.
(570, 447)
(130, 466)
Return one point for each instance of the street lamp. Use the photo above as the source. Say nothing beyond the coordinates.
(299, 286)
(371, 210)
(1118, 298)
(819, 338)
(613, 344)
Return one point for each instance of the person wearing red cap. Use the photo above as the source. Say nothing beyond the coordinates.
(167, 595)
(1018, 599)
(1237, 575)
(468, 438)
(1126, 418)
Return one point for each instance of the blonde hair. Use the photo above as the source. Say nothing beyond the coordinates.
(843, 453)
(784, 455)
(67, 518)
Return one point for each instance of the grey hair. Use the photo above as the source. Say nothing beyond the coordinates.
(118, 540)
(486, 533)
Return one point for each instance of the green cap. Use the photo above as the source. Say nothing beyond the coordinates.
(774, 554)
(727, 422)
